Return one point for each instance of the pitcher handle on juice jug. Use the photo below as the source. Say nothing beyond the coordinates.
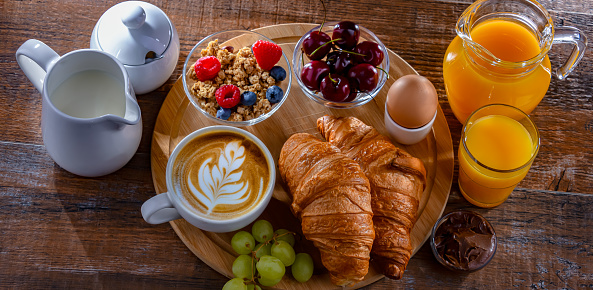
(570, 35)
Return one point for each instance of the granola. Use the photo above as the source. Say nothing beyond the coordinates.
(239, 69)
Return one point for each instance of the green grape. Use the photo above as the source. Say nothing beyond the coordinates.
(302, 268)
(253, 287)
(262, 231)
(243, 243)
(283, 251)
(268, 282)
(287, 236)
(243, 267)
(270, 268)
(235, 284)
(262, 250)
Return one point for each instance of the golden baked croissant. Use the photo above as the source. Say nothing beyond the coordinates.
(397, 181)
(331, 196)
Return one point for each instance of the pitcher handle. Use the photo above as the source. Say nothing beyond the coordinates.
(35, 58)
(572, 35)
(159, 209)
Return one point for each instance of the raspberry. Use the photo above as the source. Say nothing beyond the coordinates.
(266, 53)
(207, 68)
(228, 96)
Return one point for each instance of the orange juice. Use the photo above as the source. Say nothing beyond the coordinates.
(495, 154)
(472, 82)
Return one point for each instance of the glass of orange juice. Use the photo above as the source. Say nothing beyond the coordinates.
(498, 145)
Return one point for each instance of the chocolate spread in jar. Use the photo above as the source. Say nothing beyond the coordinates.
(465, 241)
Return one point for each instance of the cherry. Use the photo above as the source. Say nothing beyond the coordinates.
(335, 87)
(316, 40)
(352, 96)
(363, 77)
(339, 61)
(368, 52)
(347, 32)
(317, 43)
(313, 72)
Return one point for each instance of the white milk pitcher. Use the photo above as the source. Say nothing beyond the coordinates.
(90, 121)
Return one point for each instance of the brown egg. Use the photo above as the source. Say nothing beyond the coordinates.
(412, 101)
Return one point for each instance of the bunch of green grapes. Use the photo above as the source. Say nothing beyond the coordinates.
(264, 256)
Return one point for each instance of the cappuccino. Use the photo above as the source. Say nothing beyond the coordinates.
(221, 175)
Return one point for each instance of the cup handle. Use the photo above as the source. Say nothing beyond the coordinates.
(35, 58)
(159, 209)
(572, 35)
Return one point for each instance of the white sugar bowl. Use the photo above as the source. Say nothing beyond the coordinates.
(143, 38)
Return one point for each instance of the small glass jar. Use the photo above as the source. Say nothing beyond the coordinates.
(465, 232)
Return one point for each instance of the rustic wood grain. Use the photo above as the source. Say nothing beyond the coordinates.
(63, 231)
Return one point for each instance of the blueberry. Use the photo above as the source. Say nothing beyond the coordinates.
(274, 94)
(248, 98)
(278, 73)
(223, 113)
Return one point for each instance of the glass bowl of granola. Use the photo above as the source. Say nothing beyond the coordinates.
(237, 77)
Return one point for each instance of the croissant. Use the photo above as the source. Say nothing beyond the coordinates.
(331, 197)
(397, 181)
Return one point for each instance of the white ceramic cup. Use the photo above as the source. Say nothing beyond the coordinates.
(171, 205)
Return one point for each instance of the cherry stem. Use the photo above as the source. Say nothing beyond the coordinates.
(324, 15)
(302, 59)
(330, 78)
(324, 45)
(383, 71)
(352, 52)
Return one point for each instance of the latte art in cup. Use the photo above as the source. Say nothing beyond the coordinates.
(219, 179)
(221, 175)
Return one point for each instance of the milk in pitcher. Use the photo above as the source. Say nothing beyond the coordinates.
(90, 94)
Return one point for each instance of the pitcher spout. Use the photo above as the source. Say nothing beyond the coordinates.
(132, 115)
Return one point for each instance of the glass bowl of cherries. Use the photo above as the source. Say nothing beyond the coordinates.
(340, 64)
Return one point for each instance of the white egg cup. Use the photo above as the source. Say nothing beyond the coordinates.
(405, 135)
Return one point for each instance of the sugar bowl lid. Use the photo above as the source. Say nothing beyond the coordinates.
(134, 32)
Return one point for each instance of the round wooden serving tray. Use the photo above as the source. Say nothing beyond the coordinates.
(178, 117)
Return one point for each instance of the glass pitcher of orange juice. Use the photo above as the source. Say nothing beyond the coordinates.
(500, 55)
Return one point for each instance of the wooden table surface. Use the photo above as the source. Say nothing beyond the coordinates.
(64, 231)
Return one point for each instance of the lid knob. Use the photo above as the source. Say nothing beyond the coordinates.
(134, 18)
(131, 29)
